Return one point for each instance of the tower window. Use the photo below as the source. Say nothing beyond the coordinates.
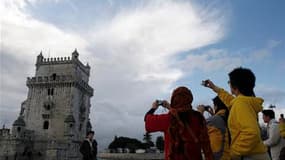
(50, 91)
(54, 76)
(46, 124)
(19, 129)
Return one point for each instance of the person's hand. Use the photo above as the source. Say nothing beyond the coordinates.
(208, 83)
(201, 108)
(154, 105)
(166, 104)
(210, 110)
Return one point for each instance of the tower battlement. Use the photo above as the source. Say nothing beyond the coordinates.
(41, 60)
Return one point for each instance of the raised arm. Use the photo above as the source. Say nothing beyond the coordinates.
(154, 123)
(223, 95)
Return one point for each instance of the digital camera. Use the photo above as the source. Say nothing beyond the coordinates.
(207, 107)
(159, 102)
(205, 83)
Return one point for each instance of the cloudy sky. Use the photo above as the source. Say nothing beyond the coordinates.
(140, 50)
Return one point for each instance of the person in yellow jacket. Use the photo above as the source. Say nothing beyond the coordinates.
(217, 128)
(282, 133)
(246, 142)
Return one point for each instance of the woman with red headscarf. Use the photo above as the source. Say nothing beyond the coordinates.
(185, 130)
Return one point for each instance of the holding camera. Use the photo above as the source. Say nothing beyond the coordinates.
(184, 128)
(217, 128)
(207, 108)
(162, 103)
(244, 106)
(205, 83)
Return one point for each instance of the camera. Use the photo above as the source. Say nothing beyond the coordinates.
(205, 83)
(207, 107)
(159, 102)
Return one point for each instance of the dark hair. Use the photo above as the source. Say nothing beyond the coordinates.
(244, 80)
(90, 132)
(270, 113)
(220, 105)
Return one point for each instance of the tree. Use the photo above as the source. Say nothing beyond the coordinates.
(160, 143)
(113, 146)
(147, 139)
(125, 142)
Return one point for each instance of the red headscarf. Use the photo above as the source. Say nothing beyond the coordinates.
(180, 103)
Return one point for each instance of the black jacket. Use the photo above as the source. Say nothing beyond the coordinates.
(88, 152)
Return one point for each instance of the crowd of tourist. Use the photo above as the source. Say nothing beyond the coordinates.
(232, 132)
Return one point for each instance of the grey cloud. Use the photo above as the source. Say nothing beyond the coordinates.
(272, 96)
(262, 53)
(209, 61)
(13, 85)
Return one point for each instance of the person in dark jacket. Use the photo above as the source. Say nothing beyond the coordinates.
(88, 147)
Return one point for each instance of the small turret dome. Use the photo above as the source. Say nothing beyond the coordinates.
(69, 119)
(19, 122)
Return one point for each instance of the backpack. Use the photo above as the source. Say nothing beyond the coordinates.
(219, 121)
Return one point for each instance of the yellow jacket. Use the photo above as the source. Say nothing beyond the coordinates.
(243, 124)
(219, 137)
(282, 128)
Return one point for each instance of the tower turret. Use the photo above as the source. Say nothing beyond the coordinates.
(75, 54)
(18, 127)
(39, 60)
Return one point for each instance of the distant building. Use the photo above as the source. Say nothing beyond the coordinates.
(54, 118)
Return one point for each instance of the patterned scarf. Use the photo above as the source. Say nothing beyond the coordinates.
(180, 103)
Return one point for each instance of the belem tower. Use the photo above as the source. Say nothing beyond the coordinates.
(54, 118)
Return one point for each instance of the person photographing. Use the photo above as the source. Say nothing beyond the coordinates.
(185, 130)
(246, 142)
(217, 128)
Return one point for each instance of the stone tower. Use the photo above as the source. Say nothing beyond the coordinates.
(56, 111)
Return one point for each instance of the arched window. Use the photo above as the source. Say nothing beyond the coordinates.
(46, 124)
(19, 129)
